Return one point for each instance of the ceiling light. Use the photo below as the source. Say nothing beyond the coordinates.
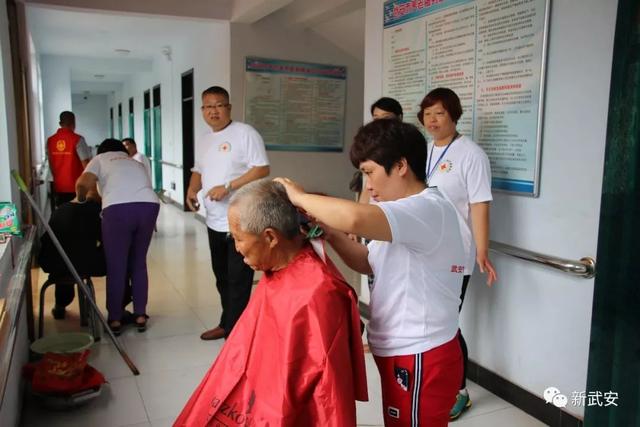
(99, 76)
(122, 52)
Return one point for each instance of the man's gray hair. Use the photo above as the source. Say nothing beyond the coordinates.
(264, 204)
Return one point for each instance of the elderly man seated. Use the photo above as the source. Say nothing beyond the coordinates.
(295, 356)
(77, 227)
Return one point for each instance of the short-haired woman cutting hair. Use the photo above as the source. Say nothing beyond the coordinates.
(416, 254)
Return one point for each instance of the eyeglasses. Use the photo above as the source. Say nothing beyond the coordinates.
(218, 106)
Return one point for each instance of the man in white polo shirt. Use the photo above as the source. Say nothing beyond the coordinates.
(232, 154)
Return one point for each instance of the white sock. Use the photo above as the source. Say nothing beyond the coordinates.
(464, 392)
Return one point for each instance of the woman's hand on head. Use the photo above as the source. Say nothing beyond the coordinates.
(294, 190)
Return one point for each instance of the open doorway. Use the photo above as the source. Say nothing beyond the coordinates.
(146, 115)
(120, 120)
(157, 139)
(187, 132)
(131, 119)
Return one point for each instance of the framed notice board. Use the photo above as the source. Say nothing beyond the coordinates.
(296, 106)
(492, 54)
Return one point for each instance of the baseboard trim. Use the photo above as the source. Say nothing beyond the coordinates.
(168, 200)
(506, 390)
(520, 398)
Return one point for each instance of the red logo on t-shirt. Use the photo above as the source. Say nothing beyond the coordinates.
(457, 268)
(225, 147)
(445, 166)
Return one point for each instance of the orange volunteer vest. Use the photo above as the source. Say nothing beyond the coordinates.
(64, 162)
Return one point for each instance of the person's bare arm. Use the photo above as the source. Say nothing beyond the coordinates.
(84, 152)
(480, 229)
(219, 192)
(195, 185)
(354, 254)
(344, 215)
(84, 183)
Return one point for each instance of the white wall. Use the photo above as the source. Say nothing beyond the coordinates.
(206, 51)
(533, 326)
(8, 130)
(326, 172)
(92, 117)
(34, 85)
(56, 90)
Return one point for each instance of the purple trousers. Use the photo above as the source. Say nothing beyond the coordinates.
(127, 229)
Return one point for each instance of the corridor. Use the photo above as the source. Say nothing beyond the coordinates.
(171, 357)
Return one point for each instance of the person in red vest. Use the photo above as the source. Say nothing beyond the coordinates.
(68, 155)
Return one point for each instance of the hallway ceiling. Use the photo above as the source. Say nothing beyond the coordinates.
(91, 31)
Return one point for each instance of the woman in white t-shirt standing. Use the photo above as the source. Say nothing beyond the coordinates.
(461, 171)
(129, 212)
(417, 256)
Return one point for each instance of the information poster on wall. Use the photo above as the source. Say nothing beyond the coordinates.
(296, 106)
(492, 54)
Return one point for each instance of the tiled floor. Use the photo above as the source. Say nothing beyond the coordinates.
(171, 357)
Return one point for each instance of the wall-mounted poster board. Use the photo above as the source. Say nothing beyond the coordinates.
(492, 54)
(296, 106)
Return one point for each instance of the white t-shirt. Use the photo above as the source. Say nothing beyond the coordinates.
(463, 175)
(83, 150)
(228, 154)
(121, 179)
(418, 276)
(139, 157)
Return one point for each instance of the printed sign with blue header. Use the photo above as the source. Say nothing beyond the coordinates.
(492, 55)
(296, 106)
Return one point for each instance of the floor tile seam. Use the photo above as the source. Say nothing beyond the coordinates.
(130, 337)
(146, 411)
(155, 373)
(159, 371)
(468, 415)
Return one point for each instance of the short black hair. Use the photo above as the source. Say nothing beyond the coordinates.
(386, 142)
(449, 100)
(216, 90)
(388, 104)
(67, 118)
(355, 184)
(111, 144)
(129, 140)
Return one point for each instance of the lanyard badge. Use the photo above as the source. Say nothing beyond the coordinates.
(430, 170)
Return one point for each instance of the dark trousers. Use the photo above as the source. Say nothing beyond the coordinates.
(463, 343)
(233, 278)
(64, 293)
(61, 198)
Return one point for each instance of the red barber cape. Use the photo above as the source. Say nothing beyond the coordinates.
(294, 358)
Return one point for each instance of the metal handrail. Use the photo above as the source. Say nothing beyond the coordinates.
(585, 267)
(164, 162)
